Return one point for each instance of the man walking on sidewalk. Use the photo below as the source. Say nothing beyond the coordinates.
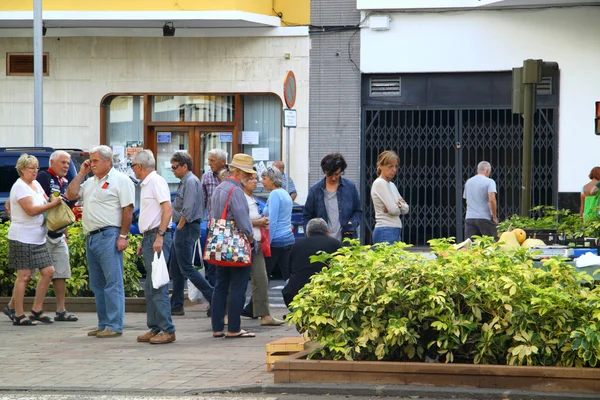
(107, 211)
(187, 214)
(154, 224)
(480, 193)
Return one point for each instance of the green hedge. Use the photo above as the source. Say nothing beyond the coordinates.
(77, 285)
(481, 306)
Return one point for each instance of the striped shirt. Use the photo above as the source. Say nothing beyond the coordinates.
(210, 181)
(284, 184)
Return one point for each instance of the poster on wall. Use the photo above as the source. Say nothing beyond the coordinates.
(119, 156)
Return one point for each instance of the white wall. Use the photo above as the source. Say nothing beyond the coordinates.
(501, 40)
(84, 69)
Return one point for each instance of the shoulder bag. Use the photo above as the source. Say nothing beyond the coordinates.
(226, 245)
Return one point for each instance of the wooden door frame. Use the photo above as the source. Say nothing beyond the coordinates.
(194, 138)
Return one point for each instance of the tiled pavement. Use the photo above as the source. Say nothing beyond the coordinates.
(60, 356)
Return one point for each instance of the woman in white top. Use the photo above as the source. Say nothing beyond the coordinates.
(388, 203)
(259, 303)
(27, 239)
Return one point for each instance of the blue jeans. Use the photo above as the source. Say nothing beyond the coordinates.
(158, 308)
(105, 268)
(386, 234)
(181, 267)
(232, 282)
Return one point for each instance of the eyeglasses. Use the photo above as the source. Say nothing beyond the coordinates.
(174, 167)
(33, 168)
(133, 165)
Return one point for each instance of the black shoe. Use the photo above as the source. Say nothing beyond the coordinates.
(177, 311)
(248, 314)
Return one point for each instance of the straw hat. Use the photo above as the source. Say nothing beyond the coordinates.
(244, 162)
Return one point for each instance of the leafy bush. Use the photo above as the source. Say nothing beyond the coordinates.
(572, 226)
(480, 305)
(77, 285)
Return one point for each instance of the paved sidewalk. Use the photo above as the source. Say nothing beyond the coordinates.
(61, 357)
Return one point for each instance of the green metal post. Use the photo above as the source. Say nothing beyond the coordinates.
(529, 105)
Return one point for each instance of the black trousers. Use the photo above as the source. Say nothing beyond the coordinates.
(481, 227)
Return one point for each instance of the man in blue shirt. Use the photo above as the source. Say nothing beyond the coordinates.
(187, 214)
(281, 167)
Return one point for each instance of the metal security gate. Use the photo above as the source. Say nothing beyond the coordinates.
(439, 150)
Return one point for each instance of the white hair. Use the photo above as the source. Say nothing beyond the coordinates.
(484, 166)
(58, 153)
(104, 151)
(317, 225)
(145, 158)
(219, 153)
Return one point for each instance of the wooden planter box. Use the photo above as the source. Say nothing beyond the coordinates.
(297, 369)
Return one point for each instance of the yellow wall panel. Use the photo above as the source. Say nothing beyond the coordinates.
(294, 11)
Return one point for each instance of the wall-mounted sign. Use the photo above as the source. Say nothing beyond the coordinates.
(163, 137)
(289, 118)
(226, 137)
(289, 89)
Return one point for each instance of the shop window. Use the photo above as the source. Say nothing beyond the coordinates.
(193, 108)
(262, 127)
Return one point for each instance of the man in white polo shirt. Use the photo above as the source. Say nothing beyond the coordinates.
(154, 224)
(107, 211)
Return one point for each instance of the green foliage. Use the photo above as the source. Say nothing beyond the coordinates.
(77, 285)
(572, 226)
(479, 305)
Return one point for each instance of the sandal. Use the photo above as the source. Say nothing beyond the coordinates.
(65, 316)
(37, 316)
(9, 312)
(22, 321)
(240, 334)
(218, 335)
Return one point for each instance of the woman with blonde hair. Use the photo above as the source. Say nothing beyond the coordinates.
(387, 201)
(27, 249)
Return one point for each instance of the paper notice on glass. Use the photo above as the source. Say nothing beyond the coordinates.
(249, 137)
(260, 153)
(260, 167)
(119, 155)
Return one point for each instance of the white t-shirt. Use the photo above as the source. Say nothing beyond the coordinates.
(254, 214)
(104, 200)
(155, 190)
(23, 228)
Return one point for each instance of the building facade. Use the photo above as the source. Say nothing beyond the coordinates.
(113, 77)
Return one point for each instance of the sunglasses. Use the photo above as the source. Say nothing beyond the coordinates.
(174, 167)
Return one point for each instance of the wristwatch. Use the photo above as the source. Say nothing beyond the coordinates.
(123, 236)
(161, 233)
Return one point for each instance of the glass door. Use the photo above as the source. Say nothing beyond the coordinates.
(168, 141)
(214, 140)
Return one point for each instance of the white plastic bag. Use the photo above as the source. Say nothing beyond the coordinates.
(160, 273)
(193, 293)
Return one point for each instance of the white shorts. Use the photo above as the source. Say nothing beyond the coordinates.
(60, 257)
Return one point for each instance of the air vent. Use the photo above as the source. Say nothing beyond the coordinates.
(544, 88)
(21, 64)
(385, 86)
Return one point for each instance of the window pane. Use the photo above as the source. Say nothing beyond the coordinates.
(197, 108)
(262, 114)
(210, 141)
(125, 120)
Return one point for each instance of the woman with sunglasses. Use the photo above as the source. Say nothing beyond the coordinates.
(335, 199)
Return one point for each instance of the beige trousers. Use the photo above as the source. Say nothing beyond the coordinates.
(260, 285)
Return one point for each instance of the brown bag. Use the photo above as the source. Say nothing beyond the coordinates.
(59, 217)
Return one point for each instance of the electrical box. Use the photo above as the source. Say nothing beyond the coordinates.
(379, 22)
